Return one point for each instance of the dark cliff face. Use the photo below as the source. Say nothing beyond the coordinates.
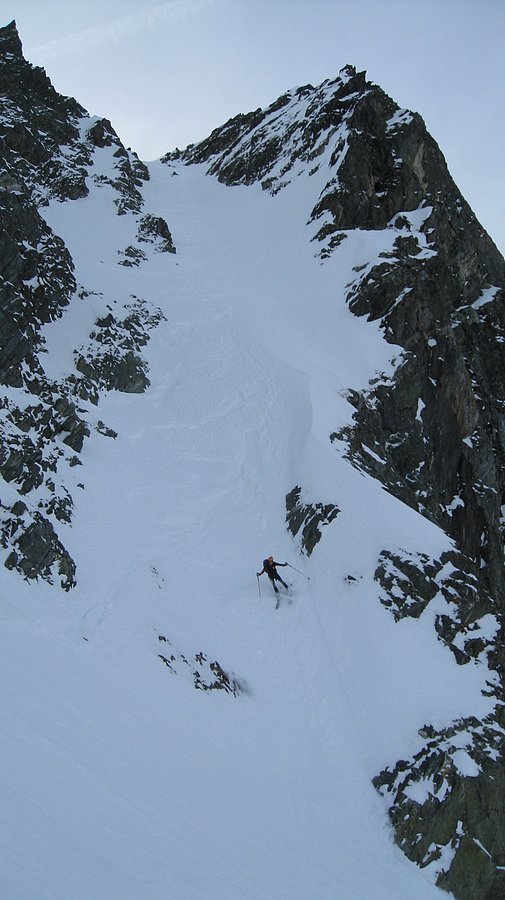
(433, 433)
(36, 269)
(37, 281)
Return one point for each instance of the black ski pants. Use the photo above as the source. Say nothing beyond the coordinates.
(274, 578)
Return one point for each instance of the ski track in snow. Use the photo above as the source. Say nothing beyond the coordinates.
(119, 779)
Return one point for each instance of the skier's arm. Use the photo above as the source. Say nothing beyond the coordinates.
(260, 573)
(280, 564)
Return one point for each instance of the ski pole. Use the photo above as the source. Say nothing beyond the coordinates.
(297, 570)
(259, 589)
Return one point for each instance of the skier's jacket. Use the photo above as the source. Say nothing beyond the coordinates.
(269, 568)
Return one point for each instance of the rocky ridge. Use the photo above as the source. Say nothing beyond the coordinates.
(50, 148)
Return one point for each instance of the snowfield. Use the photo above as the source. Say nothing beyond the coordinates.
(120, 781)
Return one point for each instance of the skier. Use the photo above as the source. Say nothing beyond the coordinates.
(269, 567)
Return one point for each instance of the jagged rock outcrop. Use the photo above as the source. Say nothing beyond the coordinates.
(206, 675)
(448, 800)
(308, 518)
(112, 360)
(37, 551)
(467, 619)
(36, 124)
(438, 424)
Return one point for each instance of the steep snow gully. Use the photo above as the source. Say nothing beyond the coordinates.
(119, 779)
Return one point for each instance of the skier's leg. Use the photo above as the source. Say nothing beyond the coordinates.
(274, 586)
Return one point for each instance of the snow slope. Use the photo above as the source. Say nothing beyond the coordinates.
(120, 781)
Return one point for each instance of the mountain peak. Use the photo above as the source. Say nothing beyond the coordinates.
(10, 42)
(293, 134)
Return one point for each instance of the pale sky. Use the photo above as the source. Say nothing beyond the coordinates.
(166, 74)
